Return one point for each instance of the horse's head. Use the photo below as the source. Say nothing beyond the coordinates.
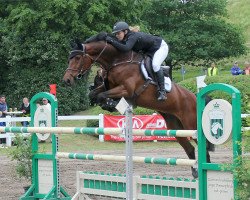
(82, 57)
(78, 64)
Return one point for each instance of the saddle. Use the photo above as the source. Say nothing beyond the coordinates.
(147, 62)
(150, 77)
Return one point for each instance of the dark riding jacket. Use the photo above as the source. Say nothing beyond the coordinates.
(139, 42)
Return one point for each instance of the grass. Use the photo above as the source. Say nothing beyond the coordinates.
(239, 14)
(87, 143)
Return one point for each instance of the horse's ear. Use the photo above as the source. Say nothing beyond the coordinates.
(78, 43)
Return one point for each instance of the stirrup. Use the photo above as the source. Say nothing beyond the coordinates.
(162, 96)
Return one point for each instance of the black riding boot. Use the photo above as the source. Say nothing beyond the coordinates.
(160, 80)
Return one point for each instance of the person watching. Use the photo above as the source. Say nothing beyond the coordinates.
(235, 70)
(25, 108)
(3, 108)
(213, 70)
(247, 68)
(46, 103)
(98, 81)
(3, 112)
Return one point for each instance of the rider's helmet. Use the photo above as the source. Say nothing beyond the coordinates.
(120, 26)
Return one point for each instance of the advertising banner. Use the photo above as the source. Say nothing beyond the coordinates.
(139, 122)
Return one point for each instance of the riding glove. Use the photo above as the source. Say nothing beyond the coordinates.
(109, 39)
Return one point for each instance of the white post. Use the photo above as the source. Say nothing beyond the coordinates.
(129, 153)
(101, 125)
(8, 135)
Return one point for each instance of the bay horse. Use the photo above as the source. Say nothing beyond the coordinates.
(126, 80)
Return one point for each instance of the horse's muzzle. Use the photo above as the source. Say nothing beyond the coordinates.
(67, 82)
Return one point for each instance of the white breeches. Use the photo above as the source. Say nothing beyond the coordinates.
(159, 56)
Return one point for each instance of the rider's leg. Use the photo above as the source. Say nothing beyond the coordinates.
(160, 80)
(159, 56)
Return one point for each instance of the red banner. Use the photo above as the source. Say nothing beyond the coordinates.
(139, 122)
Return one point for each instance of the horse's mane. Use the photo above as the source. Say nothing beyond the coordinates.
(99, 37)
(77, 45)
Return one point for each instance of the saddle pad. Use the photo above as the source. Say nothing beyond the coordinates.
(167, 80)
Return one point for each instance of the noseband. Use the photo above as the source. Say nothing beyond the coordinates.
(83, 53)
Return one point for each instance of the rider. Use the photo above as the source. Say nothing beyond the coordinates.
(151, 45)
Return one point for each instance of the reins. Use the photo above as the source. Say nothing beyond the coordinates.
(84, 53)
(128, 61)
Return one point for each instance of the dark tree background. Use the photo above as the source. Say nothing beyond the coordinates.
(35, 38)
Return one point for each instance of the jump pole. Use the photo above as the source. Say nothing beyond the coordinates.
(100, 131)
(208, 172)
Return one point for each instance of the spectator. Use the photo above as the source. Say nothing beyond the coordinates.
(213, 70)
(46, 103)
(98, 78)
(3, 112)
(247, 68)
(3, 109)
(235, 70)
(25, 108)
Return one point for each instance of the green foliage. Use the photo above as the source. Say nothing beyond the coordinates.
(35, 39)
(243, 171)
(240, 82)
(22, 154)
(239, 12)
(195, 30)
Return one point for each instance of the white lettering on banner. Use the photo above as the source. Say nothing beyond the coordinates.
(137, 123)
(160, 123)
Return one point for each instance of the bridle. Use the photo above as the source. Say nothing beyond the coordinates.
(83, 53)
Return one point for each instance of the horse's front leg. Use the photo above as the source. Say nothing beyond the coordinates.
(110, 98)
(93, 94)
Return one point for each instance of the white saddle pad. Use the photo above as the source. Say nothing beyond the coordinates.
(167, 80)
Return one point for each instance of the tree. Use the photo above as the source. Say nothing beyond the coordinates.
(37, 35)
(195, 29)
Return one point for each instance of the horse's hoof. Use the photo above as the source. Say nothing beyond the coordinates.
(194, 172)
(108, 108)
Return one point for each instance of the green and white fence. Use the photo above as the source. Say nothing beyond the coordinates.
(144, 187)
(45, 174)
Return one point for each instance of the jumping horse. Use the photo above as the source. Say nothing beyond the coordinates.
(126, 80)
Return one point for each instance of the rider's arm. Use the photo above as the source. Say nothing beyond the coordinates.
(127, 46)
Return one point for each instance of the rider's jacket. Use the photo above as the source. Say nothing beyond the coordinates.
(139, 42)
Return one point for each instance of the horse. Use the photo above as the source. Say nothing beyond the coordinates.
(126, 80)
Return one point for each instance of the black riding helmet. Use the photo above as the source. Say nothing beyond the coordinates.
(120, 26)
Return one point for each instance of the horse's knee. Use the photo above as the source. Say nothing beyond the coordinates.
(101, 97)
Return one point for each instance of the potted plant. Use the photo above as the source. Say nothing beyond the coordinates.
(22, 154)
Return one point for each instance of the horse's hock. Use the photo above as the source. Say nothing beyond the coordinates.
(213, 183)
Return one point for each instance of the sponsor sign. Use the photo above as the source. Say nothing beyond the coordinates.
(138, 122)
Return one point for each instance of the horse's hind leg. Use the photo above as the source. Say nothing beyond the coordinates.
(174, 123)
(187, 146)
(190, 151)
(207, 150)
